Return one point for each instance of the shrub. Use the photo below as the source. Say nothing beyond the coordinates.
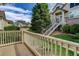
(66, 28)
(77, 35)
(74, 28)
(11, 28)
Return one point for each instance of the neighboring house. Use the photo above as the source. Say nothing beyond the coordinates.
(61, 14)
(21, 23)
(66, 13)
(7, 23)
(3, 21)
(2, 18)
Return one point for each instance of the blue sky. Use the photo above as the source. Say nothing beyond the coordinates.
(19, 11)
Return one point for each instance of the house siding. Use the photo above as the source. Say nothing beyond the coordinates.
(72, 21)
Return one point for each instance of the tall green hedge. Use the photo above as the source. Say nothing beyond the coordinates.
(11, 28)
(66, 28)
(73, 29)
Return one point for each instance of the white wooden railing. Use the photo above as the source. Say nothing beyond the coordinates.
(49, 46)
(40, 44)
(10, 37)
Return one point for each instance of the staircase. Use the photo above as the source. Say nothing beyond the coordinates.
(52, 29)
(54, 26)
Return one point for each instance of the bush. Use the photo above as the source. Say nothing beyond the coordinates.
(74, 28)
(11, 28)
(77, 35)
(70, 28)
(66, 28)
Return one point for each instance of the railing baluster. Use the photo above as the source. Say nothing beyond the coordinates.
(67, 48)
(0, 38)
(60, 49)
(55, 47)
(45, 46)
(42, 45)
(33, 42)
(7, 37)
(22, 37)
(14, 37)
(75, 51)
(48, 46)
(51, 43)
(3, 37)
(10, 36)
(19, 35)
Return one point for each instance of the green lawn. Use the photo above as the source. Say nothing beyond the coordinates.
(67, 37)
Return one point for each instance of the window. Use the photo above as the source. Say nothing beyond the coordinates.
(76, 4)
(72, 5)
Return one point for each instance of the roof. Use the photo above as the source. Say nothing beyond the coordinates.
(2, 14)
(9, 21)
(21, 21)
(57, 6)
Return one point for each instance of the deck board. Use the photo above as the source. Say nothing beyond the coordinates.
(7, 51)
(15, 50)
(22, 50)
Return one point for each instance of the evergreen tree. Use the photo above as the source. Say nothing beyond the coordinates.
(40, 17)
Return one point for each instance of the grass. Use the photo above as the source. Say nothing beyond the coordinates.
(67, 37)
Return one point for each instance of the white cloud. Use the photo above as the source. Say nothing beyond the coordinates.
(12, 8)
(15, 16)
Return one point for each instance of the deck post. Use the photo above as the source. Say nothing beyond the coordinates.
(22, 37)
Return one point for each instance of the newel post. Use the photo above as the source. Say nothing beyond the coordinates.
(22, 35)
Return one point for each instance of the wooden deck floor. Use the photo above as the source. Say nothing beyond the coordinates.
(15, 50)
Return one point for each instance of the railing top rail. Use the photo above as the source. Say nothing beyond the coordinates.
(53, 38)
(11, 31)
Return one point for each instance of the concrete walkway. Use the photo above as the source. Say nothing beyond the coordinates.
(15, 50)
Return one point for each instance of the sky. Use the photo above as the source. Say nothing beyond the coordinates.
(19, 11)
